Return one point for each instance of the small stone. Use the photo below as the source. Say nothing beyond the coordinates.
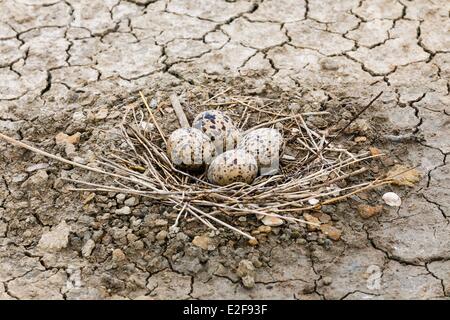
(132, 237)
(21, 177)
(358, 126)
(374, 151)
(62, 138)
(56, 239)
(404, 176)
(79, 116)
(204, 242)
(123, 211)
(138, 245)
(70, 150)
(264, 229)
(272, 221)
(325, 218)
(131, 202)
(88, 247)
(331, 232)
(35, 167)
(360, 139)
(311, 219)
(154, 103)
(114, 115)
(120, 197)
(242, 219)
(38, 179)
(253, 242)
(327, 281)
(3, 229)
(162, 235)
(245, 268)
(101, 114)
(79, 160)
(173, 230)
(366, 211)
(248, 282)
(392, 199)
(118, 255)
(160, 222)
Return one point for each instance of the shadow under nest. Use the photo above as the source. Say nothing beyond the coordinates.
(311, 165)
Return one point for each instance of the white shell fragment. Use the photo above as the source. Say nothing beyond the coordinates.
(272, 221)
(189, 148)
(219, 128)
(265, 145)
(233, 166)
(392, 199)
(313, 201)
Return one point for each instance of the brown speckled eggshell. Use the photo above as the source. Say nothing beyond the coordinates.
(265, 145)
(233, 166)
(189, 148)
(219, 128)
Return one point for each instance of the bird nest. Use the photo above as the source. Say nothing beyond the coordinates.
(311, 168)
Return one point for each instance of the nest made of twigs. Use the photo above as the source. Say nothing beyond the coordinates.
(311, 166)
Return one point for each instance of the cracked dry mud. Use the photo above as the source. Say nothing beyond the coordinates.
(70, 66)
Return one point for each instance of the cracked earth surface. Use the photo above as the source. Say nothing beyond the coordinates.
(68, 66)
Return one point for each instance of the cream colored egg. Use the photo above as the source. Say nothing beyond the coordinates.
(219, 128)
(189, 148)
(265, 145)
(233, 166)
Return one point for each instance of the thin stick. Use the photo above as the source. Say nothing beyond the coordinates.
(176, 105)
(153, 117)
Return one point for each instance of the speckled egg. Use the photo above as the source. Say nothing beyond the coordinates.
(233, 166)
(189, 148)
(265, 145)
(219, 128)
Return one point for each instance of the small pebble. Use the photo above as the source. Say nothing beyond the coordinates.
(203, 242)
(366, 211)
(62, 138)
(36, 167)
(160, 222)
(327, 281)
(120, 197)
(248, 281)
(118, 255)
(101, 114)
(311, 219)
(162, 235)
(264, 229)
(131, 202)
(88, 247)
(123, 211)
(330, 231)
